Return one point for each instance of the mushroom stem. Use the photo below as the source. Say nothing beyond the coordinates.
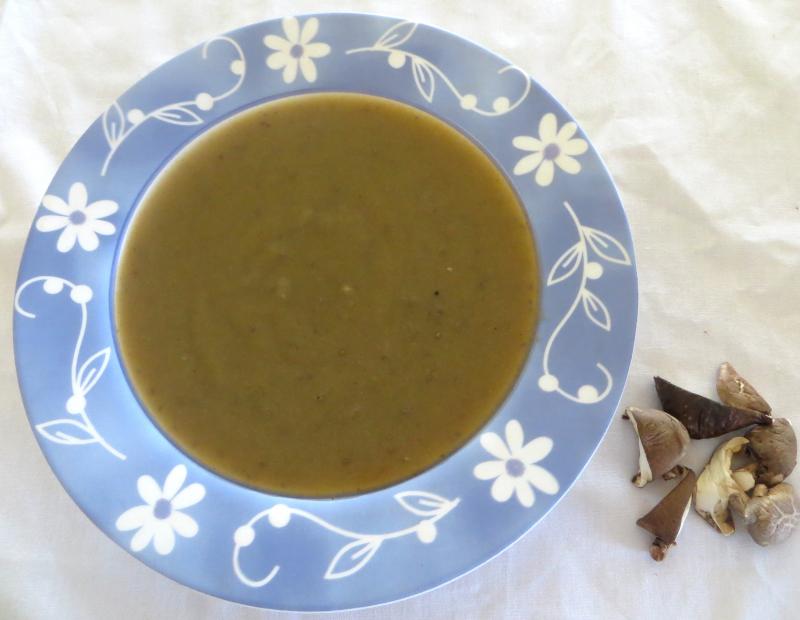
(676, 472)
(745, 476)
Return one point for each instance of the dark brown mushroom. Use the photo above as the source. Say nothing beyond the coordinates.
(702, 416)
(775, 449)
(663, 442)
(666, 519)
(734, 390)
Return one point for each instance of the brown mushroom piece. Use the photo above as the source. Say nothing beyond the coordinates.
(702, 416)
(716, 488)
(775, 449)
(666, 519)
(663, 442)
(772, 514)
(734, 390)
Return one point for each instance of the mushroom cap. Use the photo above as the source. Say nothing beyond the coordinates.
(772, 517)
(775, 448)
(702, 416)
(666, 519)
(734, 390)
(663, 442)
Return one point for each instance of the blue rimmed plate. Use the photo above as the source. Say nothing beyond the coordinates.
(240, 544)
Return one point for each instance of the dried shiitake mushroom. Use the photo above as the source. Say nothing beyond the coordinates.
(702, 416)
(771, 514)
(716, 488)
(663, 442)
(755, 489)
(666, 519)
(775, 449)
(736, 391)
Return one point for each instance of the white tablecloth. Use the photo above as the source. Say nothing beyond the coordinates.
(694, 106)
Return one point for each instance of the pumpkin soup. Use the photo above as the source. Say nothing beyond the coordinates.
(326, 294)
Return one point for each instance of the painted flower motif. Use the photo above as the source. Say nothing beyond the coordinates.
(296, 50)
(554, 147)
(159, 518)
(515, 470)
(76, 220)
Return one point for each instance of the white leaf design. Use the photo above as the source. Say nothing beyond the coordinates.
(396, 35)
(68, 432)
(78, 430)
(566, 265)
(425, 72)
(352, 557)
(606, 246)
(596, 310)
(177, 115)
(423, 78)
(92, 369)
(423, 503)
(113, 124)
(361, 546)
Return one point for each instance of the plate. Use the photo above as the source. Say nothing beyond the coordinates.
(299, 554)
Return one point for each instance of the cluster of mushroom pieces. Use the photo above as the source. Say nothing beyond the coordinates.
(754, 488)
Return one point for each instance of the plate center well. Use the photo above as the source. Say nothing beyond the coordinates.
(326, 294)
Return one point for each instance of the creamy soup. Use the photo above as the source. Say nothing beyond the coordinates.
(326, 294)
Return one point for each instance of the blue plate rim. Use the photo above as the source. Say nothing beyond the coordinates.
(47, 449)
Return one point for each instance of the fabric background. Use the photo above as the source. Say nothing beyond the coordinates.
(694, 107)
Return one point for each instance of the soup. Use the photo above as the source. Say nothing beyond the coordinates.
(326, 294)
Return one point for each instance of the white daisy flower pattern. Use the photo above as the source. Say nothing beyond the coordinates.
(159, 518)
(77, 220)
(297, 50)
(515, 469)
(554, 147)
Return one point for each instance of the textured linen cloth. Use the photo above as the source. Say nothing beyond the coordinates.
(693, 105)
